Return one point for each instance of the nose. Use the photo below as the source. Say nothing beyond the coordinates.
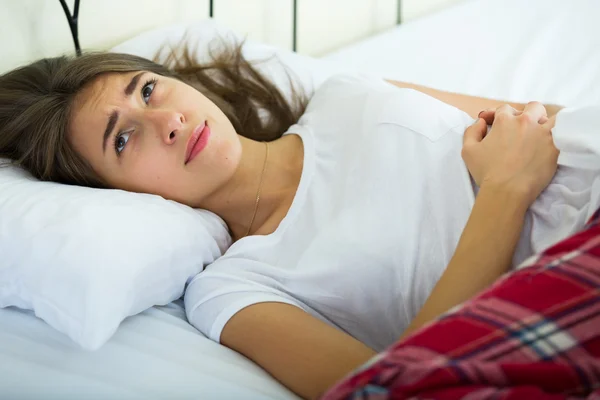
(167, 124)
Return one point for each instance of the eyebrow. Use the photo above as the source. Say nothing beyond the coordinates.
(114, 116)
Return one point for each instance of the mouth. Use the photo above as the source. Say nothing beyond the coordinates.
(197, 141)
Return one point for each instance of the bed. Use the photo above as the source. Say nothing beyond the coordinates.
(547, 50)
(154, 355)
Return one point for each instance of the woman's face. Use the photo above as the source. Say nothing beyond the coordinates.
(136, 129)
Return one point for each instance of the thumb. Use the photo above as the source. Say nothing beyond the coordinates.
(476, 132)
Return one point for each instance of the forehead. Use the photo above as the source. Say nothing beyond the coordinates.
(96, 100)
(91, 109)
(102, 94)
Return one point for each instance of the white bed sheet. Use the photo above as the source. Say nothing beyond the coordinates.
(545, 50)
(550, 51)
(154, 355)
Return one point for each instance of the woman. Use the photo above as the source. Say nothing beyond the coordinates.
(330, 229)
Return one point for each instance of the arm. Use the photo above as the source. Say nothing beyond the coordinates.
(470, 104)
(483, 254)
(512, 164)
(303, 353)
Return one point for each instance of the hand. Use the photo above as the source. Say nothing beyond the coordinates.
(517, 154)
(489, 114)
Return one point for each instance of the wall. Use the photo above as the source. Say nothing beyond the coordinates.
(31, 29)
(412, 9)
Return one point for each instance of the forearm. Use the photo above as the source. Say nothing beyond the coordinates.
(483, 254)
(472, 105)
(552, 109)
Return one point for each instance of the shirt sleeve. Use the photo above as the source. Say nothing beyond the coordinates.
(222, 290)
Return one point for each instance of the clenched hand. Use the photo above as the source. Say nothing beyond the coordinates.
(517, 154)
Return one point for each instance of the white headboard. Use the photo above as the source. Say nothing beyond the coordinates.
(32, 29)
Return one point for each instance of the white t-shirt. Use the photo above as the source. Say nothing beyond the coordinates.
(382, 201)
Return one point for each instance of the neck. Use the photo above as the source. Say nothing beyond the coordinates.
(235, 202)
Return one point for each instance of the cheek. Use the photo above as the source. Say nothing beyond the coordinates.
(153, 174)
(223, 154)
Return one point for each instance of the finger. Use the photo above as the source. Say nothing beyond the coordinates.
(476, 132)
(488, 115)
(536, 111)
(550, 122)
(506, 109)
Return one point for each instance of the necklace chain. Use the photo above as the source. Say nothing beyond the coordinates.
(262, 175)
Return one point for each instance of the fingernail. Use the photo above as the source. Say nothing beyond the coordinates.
(480, 112)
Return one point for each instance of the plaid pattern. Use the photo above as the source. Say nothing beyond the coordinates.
(535, 334)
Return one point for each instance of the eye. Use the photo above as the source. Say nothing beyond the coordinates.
(120, 141)
(147, 90)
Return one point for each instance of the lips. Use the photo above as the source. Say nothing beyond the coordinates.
(193, 140)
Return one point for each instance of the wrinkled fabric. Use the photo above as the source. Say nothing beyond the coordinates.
(535, 334)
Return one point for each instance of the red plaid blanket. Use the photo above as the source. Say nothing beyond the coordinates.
(535, 334)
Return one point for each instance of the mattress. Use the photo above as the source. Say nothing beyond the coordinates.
(544, 50)
(154, 355)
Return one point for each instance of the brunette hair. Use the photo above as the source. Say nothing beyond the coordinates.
(36, 103)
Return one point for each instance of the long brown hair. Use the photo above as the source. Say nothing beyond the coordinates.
(36, 104)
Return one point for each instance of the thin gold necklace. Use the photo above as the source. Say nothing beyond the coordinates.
(262, 175)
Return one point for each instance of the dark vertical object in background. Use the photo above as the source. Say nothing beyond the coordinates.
(211, 14)
(73, 19)
(295, 19)
(295, 26)
(399, 12)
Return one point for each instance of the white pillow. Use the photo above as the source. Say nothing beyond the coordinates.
(274, 62)
(84, 259)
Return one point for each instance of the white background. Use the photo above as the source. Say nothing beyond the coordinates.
(31, 29)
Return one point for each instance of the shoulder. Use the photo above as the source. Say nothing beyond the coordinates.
(343, 96)
(228, 285)
(357, 83)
